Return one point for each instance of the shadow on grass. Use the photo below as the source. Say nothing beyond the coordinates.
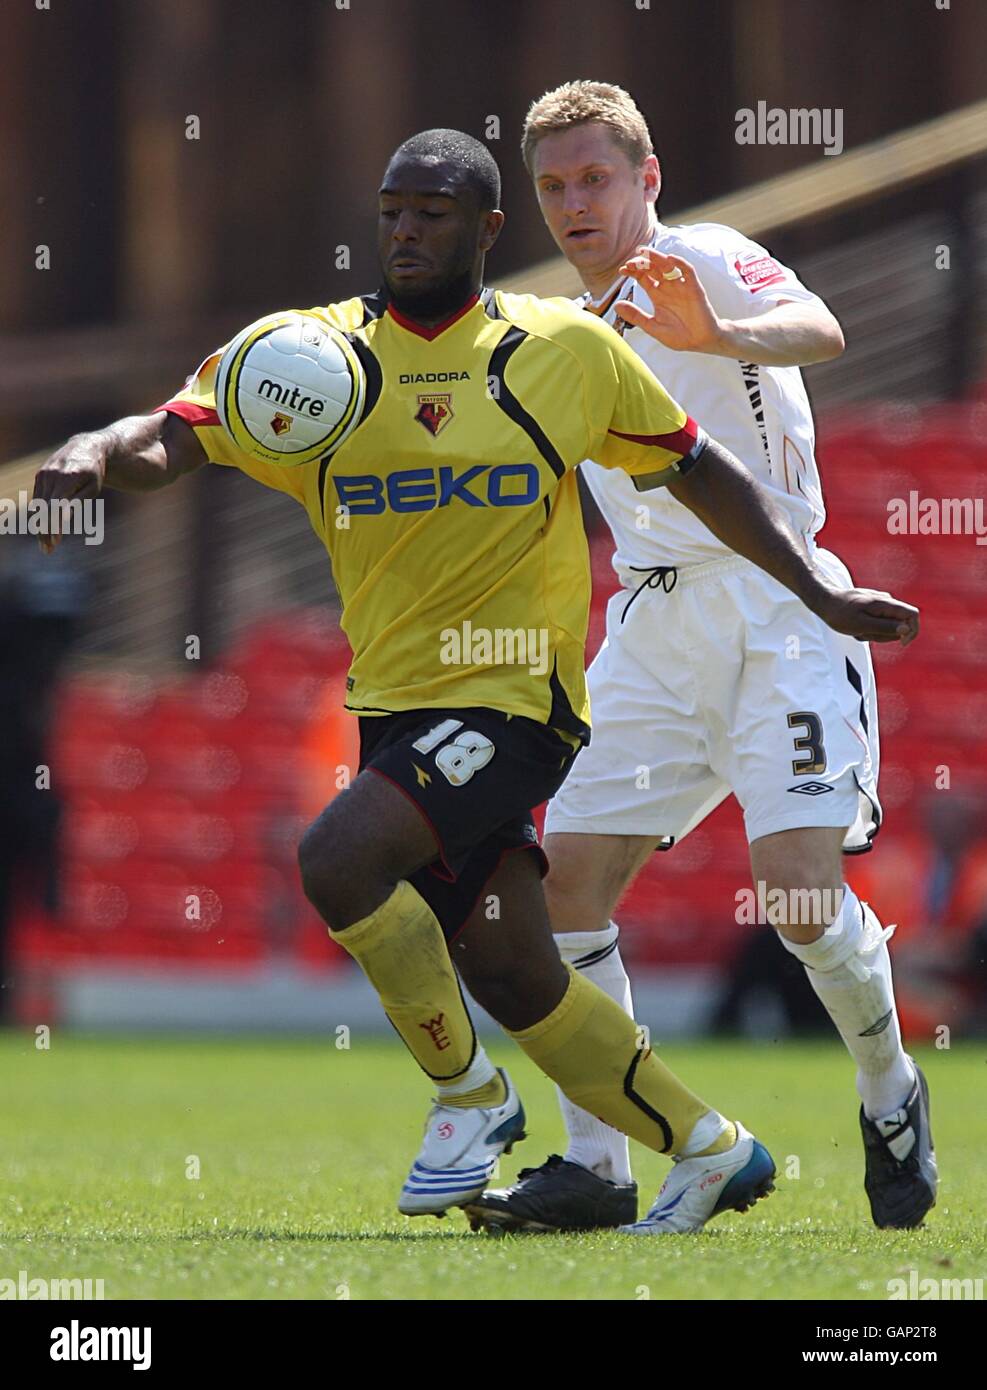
(321, 1237)
(214, 1236)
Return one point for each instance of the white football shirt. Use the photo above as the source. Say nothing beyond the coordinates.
(761, 414)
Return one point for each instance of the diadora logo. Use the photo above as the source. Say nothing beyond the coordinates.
(436, 1030)
(424, 378)
(424, 489)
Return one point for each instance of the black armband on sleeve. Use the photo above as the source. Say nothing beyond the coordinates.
(674, 471)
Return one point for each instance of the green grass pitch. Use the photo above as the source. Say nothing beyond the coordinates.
(301, 1149)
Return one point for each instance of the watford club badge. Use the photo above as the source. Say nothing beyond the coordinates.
(434, 412)
(281, 424)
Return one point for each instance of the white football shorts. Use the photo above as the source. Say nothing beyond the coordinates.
(727, 683)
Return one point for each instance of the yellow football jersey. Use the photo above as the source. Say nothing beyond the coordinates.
(451, 513)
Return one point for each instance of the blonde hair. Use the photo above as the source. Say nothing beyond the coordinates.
(575, 103)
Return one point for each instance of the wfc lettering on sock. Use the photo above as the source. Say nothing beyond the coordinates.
(79, 1343)
(436, 1030)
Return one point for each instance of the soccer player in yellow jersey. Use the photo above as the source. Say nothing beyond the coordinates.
(452, 519)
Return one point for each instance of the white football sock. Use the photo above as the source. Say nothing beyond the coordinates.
(850, 970)
(593, 1144)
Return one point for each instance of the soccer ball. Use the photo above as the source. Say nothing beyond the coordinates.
(289, 388)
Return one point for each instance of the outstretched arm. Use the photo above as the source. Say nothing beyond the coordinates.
(136, 454)
(790, 334)
(744, 516)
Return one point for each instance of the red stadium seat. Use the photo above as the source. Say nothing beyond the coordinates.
(204, 784)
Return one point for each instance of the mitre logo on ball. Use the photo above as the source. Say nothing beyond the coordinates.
(306, 368)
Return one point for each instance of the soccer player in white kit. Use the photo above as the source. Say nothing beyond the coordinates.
(712, 678)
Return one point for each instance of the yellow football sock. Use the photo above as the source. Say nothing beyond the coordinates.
(719, 1146)
(490, 1094)
(594, 1052)
(403, 953)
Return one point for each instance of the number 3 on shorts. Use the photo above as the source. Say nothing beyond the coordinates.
(811, 743)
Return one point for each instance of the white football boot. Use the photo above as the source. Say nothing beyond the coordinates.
(699, 1188)
(459, 1153)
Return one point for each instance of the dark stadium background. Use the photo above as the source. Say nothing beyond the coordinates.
(172, 776)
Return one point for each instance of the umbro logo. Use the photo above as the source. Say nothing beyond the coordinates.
(812, 788)
(877, 1027)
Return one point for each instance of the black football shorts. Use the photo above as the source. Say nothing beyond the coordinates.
(475, 775)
